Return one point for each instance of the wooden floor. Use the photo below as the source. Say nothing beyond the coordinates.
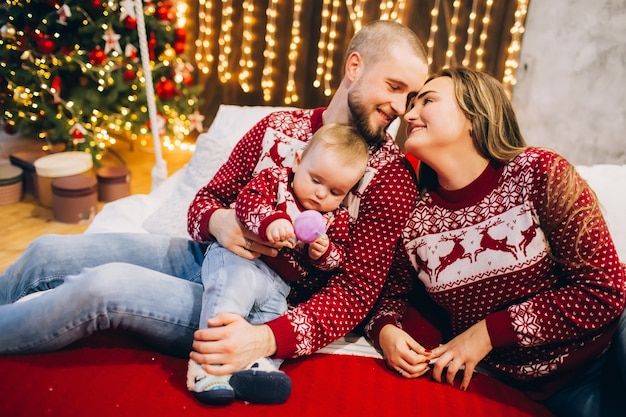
(22, 222)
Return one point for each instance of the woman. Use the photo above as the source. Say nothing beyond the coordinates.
(510, 242)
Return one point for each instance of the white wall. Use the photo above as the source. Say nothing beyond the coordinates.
(571, 89)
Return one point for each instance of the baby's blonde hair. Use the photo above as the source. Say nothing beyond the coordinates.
(344, 141)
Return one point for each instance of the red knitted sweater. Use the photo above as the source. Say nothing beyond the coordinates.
(327, 306)
(480, 253)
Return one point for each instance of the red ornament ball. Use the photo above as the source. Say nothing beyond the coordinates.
(129, 75)
(97, 56)
(165, 89)
(46, 46)
(180, 34)
(130, 23)
(164, 13)
(179, 47)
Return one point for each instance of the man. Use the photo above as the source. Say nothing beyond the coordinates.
(149, 284)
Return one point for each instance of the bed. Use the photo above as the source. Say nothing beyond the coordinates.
(111, 374)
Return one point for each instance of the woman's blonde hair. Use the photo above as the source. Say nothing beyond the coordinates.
(496, 136)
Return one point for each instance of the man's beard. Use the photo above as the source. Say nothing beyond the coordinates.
(361, 122)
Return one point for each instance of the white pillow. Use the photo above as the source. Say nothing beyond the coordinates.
(212, 149)
(608, 183)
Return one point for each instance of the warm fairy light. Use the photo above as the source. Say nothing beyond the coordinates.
(204, 56)
(291, 93)
(452, 34)
(480, 52)
(477, 29)
(269, 54)
(326, 46)
(512, 60)
(246, 62)
(392, 10)
(430, 44)
(225, 40)
(355, 13)
(470, 34)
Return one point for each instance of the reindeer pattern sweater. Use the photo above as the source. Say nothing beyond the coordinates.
(326, 305)
(480, 253)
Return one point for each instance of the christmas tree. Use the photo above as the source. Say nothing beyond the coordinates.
(71, 72)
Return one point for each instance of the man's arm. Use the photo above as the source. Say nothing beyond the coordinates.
(349, 295)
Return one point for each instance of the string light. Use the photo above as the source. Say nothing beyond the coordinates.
(452, 35)
(246, 62)
(392, 10)
(291, 93)
(203, 55)
(326, 46)
(512, 60)
(225, 41)
(267, 84)
(477, 29)
(470, 34)
(430, 44)
(480, 52)
(355, 13)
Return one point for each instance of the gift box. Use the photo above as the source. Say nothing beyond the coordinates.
(10, 184)
(59, 165)
(26, 161)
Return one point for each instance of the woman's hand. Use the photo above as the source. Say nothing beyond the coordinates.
(230, 344)
(231, 234)
(402, 353)
(465, 350)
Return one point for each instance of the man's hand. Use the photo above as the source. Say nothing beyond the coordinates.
(230, 344)
(231, 234)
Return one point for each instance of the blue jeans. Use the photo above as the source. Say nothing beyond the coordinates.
(600, 391)
(149, 285)
(233, 284)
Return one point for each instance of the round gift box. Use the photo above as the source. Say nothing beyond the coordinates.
(57, 165)
(113, 183)
(10, 184)
(75, 199)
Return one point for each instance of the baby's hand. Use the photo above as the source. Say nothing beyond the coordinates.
(280, 231)
(319, 247)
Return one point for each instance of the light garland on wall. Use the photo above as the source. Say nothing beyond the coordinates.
(267, 83)
(480, 52)
(355, 13)
(224, 41)
(512, 60)
(291, 93)
(204, 55)
(452, 34)
(392, 10)
(330, 15)
(326, 46)
(434, 28)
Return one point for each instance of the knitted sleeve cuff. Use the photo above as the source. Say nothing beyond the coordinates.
(500, 329)
(285, 337)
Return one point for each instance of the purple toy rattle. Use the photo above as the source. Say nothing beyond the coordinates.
(309, 226)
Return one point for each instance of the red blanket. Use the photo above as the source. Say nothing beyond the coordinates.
(110, 375)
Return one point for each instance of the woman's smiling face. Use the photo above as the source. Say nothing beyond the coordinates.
(435, 122)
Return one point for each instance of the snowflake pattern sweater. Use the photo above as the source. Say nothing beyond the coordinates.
(269, 197)
(327, 306)
(480, 253)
